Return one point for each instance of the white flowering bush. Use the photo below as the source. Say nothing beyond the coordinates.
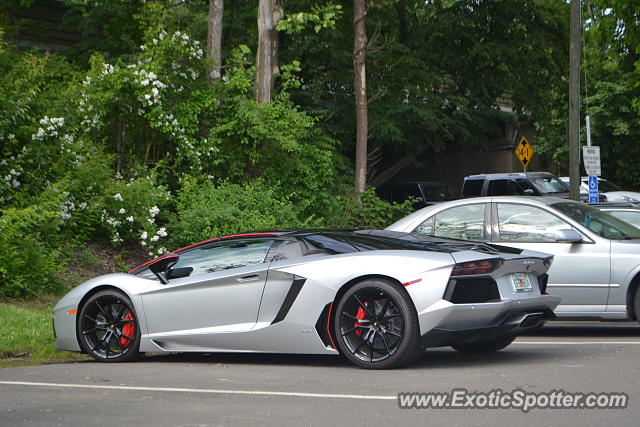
(156, 102)
(134, 211)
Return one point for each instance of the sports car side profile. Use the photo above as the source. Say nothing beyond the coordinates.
(377, 297)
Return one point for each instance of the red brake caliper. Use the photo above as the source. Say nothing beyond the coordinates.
(128, 329)
(360, 315)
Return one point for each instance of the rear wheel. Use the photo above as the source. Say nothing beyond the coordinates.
(108, 328)
(376, 325)
(489, 346)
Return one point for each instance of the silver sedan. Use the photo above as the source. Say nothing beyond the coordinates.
(596, 269)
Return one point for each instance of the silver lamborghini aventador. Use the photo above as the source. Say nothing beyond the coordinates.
(377, 297)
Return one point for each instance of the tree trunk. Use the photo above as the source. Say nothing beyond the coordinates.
(360, 85)
(269, 13)
(214, 37)
(574, 102)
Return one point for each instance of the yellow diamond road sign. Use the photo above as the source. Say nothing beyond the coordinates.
(524, 151)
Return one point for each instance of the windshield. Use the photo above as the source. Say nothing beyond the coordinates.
(549, 185)
(599, 222)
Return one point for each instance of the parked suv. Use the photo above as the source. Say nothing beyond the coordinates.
(514, 184)
(425, 193)
(517, 184)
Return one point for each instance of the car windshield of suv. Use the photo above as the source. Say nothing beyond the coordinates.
(599, 222)
(549, 185)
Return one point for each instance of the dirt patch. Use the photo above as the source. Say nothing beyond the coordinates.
(95, 260)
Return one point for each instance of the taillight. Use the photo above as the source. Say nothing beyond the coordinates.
(476, 267)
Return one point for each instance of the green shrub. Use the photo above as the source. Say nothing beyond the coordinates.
(28, 262)
(205, 211)
(371, 213)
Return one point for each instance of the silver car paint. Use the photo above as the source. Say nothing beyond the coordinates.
(222, 312)
(592, 277)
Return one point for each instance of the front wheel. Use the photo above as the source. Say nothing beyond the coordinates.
(376, 325)
(108, 328)
(489, 346)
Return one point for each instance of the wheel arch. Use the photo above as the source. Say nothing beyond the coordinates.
(89, 294)
(634, 285)
(326, 316)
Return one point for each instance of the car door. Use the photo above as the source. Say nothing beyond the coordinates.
(219, 290)
(580, 272)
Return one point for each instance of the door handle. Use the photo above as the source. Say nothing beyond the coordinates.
(249, 278)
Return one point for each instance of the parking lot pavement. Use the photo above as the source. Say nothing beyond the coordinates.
(253, 389)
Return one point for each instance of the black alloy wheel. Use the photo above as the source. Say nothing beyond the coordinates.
(108, 329)
(376, 325)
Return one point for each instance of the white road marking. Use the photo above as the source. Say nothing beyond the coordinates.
(203, 390)
(577, 342)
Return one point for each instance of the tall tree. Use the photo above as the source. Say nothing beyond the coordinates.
(214, 37)
(360, 86)
(269, 13)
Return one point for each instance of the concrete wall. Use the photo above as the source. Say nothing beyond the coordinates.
(453, 165)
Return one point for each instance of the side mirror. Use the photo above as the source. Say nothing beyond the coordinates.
(568, 235)
(528, 192)
(162, 265)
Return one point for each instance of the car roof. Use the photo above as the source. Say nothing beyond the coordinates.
(260, 234)
(511, 175)
(546, 200)
(615, 205)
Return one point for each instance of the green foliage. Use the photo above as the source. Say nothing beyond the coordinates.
(28, 258)
(611, 95)
(370, 213)
(320, 17)
(205, 211)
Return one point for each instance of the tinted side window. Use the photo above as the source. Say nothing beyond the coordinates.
(527, 224)
(284, 249)
(224, 256)
(472, 187)
(461, 222)
(501, 187)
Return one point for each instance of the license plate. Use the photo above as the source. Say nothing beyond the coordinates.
(521, 282)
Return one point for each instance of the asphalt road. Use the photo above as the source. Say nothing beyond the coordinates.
(215, 389)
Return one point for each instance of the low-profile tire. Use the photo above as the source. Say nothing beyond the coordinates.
(108, 329)
(490, 346)
(376, 325)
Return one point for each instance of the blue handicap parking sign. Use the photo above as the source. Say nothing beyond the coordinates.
(594, 197)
